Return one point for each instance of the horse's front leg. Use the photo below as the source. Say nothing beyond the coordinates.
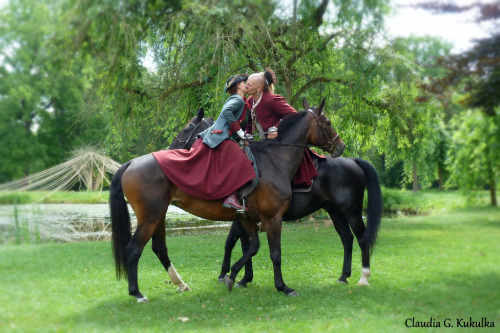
(273, 229)
(248, 277)
(249, 231)
(231, 240)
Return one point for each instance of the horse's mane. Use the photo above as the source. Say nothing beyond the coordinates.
(190, 121)
(209, 122)
(286, 123)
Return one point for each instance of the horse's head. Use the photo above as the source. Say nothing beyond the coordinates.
(323, 135)
(187, 136)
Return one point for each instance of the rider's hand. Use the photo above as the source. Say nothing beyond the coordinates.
(241, 135)
(272, 133)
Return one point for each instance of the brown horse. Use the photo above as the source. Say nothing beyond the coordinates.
(150, 192)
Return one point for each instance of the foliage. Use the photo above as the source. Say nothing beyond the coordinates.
(475, 146)
(124, 76)
(476, 75)
(40, 91)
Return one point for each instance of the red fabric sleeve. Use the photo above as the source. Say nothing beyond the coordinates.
(235, 126)
(281, 107)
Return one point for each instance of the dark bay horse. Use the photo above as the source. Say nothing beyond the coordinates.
(150, 192)
(339, 189)
(187, 136)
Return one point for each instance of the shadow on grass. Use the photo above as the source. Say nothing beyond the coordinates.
(442, 296)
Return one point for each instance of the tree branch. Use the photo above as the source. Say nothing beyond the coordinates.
(319, 13)
(313, 82)
(184, 85)
(299, 55)
(376, 104)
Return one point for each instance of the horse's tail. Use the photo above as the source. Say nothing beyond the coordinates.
(374, 203)
(120, 222)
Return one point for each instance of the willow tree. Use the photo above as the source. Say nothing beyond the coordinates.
(416, 127)
(317, 48)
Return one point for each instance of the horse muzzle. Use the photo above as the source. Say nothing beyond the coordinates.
(335, 148)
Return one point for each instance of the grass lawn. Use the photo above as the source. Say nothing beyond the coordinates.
(74, 197)
(433, 267)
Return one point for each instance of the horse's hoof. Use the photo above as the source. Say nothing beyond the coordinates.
(293, 294)
(142, 299)
(242, 283)
(365, 274)
(342, 281)
(183, 288)
(229, 282)
(221, 280)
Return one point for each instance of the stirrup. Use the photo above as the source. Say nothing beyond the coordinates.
(244, 207)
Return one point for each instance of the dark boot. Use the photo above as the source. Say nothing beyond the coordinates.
(232, 202)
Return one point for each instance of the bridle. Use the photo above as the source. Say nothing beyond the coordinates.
(332, 141)
(184, 142)
(324, 147)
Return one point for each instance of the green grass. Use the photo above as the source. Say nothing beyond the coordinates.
(69, 197)
(443, 265)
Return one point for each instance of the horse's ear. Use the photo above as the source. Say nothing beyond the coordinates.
(305, 104)
(321, 106)
(200, 114)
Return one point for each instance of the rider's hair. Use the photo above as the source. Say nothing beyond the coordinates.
(269, 80)
(233, 90)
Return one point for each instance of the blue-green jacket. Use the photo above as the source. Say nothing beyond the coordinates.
(219, 131)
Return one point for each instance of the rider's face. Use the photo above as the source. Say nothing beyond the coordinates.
(242, 86)
(252, 85)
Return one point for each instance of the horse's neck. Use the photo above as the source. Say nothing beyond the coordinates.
(288, 160)
(295, 136)
(285, 155)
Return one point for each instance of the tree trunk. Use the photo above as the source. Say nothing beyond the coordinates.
(492, 183)
(288, 87)
(440, 178)
(415, 178)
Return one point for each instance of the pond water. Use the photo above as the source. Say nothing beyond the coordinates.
(77, 222)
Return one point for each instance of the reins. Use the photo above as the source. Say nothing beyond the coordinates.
(284, 144)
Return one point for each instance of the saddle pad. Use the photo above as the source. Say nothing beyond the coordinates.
(204, 172)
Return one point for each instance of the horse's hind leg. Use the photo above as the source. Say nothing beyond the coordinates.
(273, 230)
(159, 247)
(340, 224)
(358, 227)
(134, 250)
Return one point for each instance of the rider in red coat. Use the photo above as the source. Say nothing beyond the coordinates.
(267, 110)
